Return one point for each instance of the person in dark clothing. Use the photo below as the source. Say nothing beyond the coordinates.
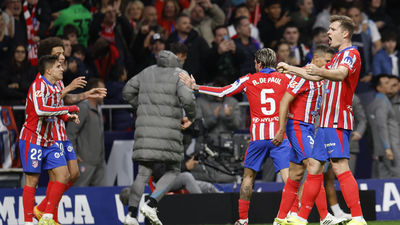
(224, 58)
(272, 23)
(122, 119)
(197, 47)
(246, 44)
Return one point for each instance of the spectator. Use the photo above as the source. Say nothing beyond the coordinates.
(243, 11)
(71, 33)
(134, 12)
(87, 138)
(158, 136)
(297, 49)
(167, 13)
(8, 17)
(146, 54)
(387, 59)
(74, 66)
(149, 23)
(205, 17)
(223, 59)
(77, 15)
(20, 33)
(304, 19)
(106, 55)
(255, 12)
(282, 50)
(319, 36)
(385, 130)
(376, 11)
(5, 43)
(336, 7)
(37, 21)
(122, 119)
(360, 125)
(88, 67)
(246, 44)
(197, 47)
(272, 22)
(16, 77)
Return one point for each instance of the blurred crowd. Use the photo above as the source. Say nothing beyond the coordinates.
(113, 40)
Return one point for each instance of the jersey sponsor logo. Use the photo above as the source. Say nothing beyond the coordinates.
(349, 61)
(265, 120)
(38, 94)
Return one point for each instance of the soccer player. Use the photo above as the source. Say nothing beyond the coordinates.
(54, 46)
(37, 149)
(336, 122)
(302, 100)
(264, 89)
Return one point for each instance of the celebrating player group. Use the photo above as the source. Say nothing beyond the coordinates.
(284, 102)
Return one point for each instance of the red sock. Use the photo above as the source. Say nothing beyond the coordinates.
(28, 201)
(55, 195)
(244, 209)
(310, 191)
(289, 194)
(321, 203)
(295, 205)
(43, 203)
(55, 215)
(350, 193)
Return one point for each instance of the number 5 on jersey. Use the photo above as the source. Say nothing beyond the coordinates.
(266, 100)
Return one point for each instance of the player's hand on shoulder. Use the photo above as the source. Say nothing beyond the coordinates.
(312, 69)
(282, 67)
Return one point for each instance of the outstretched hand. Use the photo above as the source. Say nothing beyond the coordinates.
(282, 67)
(190, 82)
(78, 82)
(186, 123)
(74, 118)
(96, 93)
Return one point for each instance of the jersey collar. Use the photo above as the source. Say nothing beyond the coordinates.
(48, 82)
(348, 48)
(267, 70)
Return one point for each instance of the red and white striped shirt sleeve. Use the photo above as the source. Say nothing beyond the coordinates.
(39, 91)
(229, 90)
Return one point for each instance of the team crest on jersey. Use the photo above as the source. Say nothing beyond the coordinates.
(57, 155)
(69, 148)
(349, 108)
(35, 163)
(39, 94)
(293, 84)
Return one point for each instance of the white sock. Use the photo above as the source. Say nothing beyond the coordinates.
(359, 218)
(28, 223)
(302, 219)
(336, 210)
(47, 216)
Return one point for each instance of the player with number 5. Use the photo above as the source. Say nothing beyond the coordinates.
(264, 89)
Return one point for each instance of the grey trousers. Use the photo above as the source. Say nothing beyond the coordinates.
(91, 175)
(187, 181)
(163, 185)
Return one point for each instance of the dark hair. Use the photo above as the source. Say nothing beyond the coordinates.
(79, 49)
(47, 45)
(177, 48)
(116, 72)
(93, 83)
(181, 16)
(279, 43)
(345, 22)
(324, 49)
(389, 36)
(266, 57)
(219, 27)
(46, 61)
(318, 30)
(238, 21)
(338, 4)
(290, 25)
(69, 29)
(272, 2)
(394, 77)
(376, 80)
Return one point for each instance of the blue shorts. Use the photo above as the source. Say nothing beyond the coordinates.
(68, 149)
(301, 138)
(35, 158)
(258, 151)
(331, 143)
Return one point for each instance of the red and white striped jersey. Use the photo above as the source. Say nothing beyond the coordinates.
(305, 106)
(41, 109)
(59, 131)
(337, 100)
(264, 91)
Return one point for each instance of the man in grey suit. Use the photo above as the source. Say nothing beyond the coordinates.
(159, 96)
(385, 130)
(360, 125)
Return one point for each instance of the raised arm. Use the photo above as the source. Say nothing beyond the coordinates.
(298, 71)
(70, 99)
(338, 74)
